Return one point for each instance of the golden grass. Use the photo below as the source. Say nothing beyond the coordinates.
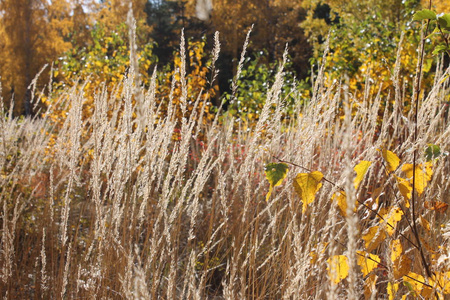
(117, 208)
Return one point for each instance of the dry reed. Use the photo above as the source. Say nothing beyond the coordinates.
(117, 208)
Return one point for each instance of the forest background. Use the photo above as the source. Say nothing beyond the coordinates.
(155, 152)
(82, 38)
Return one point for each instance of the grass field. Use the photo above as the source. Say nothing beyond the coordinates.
(126, 205)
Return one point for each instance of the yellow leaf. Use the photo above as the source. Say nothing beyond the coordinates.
(405, 189)
(391, 159)
(337, 268)
(402, 266)
(415, 281)
(407, 169)
(314, 256)
(428, 170)
(373, 237)
(427, 293)
(422, 175)
(441, 281)
(319, 249)
(425, 224)
(275, 174)
(341, 201)
(306, 185)
(396, 250)
(369, 285)
(392, 290)
(367, 262)
(392, 218)
(361, 170)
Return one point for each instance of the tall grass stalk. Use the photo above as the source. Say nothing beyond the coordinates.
(117, 206)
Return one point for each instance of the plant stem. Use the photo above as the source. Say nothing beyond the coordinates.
(416, 130)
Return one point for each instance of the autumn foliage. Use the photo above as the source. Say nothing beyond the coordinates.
(385, 226)
(224, 164)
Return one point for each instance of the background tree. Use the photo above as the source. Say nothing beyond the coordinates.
(439, 6)
(111, 13)
(276, 22)
(34, 32)
(365, 36)
(82, 23)
(20, 21)
(166, 20)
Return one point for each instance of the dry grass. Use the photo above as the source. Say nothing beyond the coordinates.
(117, 208)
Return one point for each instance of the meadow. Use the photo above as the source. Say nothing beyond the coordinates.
(126, 204)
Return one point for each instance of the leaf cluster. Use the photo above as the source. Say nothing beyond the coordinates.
(387, 228)
(441, 23)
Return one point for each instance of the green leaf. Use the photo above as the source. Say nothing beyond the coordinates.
(435, 31)
(444, 21)
(275, 173)
(409, 286)
(439, 49)
(432, 152)
(424, 14)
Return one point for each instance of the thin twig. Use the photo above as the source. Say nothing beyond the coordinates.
(416, 130)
